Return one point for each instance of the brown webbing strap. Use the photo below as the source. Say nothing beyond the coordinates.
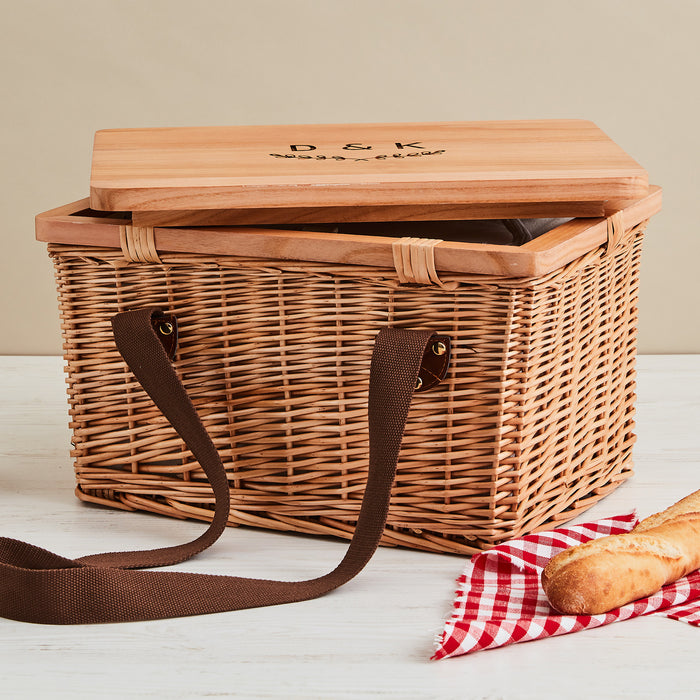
(38, 586)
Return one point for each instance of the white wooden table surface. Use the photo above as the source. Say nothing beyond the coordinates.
(371, 638)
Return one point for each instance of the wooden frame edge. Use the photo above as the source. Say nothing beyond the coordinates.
(538, 257)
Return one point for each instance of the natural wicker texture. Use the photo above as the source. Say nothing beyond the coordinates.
(533, 424)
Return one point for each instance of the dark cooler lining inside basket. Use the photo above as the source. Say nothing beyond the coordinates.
(493, 231)
(512, 232)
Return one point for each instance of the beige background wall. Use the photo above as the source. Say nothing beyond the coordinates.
(71, 67)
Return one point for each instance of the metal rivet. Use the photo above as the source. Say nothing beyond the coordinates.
(419, 383)
(165, 328)
(439, 348)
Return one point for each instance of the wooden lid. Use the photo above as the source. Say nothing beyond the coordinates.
(359, 165)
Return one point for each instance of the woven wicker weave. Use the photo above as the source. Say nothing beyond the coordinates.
(533, 424)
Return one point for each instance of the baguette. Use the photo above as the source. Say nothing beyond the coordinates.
(603, 574)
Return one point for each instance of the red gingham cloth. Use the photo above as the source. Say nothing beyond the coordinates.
(500, 600)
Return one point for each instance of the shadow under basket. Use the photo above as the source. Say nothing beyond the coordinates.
(532, 425)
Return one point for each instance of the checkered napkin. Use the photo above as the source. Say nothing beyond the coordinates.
(500, 600)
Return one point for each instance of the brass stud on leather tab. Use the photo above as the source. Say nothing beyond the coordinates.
(435, 362)
(439, 348)
(165, 328)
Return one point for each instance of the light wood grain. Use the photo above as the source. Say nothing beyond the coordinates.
(371, 638)
(320, 215)
(547, 253)
(563, 244)
(419, 164)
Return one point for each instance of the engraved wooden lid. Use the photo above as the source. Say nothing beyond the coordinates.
(360, 165)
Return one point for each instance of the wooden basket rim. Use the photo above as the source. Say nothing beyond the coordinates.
(545, 254)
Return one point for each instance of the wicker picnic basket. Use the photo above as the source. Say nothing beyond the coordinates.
(534, 421)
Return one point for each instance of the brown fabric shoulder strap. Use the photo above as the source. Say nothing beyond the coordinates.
(38, 586)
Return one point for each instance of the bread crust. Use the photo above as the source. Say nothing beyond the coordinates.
(603, 574)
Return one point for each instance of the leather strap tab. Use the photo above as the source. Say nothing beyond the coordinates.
(435, 363)
(165, 328)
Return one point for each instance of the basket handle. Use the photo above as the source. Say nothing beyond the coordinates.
(38, 586)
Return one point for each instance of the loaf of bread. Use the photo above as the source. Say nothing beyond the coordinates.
(603, 574)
